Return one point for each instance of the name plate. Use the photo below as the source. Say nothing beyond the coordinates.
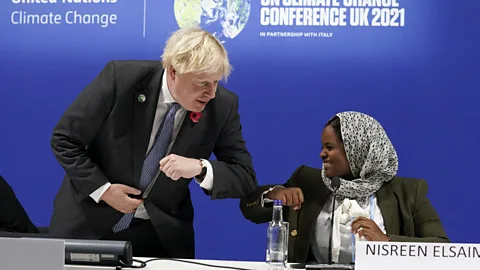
(416, 256)
(32, 253)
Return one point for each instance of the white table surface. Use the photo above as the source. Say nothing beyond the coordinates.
(182, 265)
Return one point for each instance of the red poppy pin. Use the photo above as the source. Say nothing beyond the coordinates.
(195, 116)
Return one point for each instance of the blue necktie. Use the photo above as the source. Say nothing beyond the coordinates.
(151, 163)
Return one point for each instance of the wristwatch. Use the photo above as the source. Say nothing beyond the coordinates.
(202, 174)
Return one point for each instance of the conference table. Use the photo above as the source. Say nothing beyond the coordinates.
(184, 264)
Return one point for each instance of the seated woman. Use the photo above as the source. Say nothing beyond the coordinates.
(372, 202)
(13, 217)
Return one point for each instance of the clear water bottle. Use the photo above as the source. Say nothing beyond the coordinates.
(277, 238)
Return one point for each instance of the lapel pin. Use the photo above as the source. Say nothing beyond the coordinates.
(142, 98)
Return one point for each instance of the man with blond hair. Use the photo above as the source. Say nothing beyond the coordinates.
(136, 136)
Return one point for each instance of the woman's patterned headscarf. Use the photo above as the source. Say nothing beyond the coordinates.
(370, 154)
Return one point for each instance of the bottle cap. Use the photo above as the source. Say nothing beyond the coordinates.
(277, 202)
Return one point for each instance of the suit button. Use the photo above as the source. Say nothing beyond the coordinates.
(293, 233)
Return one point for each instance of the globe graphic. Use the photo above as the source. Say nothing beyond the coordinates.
(225, 19)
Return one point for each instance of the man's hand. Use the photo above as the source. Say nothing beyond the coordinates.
(369, 229)
(117, 197)
(288, 196)
(175, 167)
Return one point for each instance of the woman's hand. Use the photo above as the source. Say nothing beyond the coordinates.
(289, 196)
(368, 228)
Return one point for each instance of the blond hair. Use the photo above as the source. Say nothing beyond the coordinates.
(193, 50)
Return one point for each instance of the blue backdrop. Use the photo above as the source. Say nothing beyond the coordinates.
(414, 68)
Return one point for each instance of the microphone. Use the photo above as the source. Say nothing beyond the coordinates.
(335, 184)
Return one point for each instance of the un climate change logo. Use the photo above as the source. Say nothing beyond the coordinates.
(223, 18)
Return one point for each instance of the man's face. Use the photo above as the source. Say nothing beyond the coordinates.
(193, 90)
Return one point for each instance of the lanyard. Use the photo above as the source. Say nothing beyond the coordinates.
(372, 215)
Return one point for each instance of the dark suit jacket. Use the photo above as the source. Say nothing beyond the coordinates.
(13, 217)
(407, 213)
(103, 137)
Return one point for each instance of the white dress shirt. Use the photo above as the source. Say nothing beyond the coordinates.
(320, 240)
(164, 99)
